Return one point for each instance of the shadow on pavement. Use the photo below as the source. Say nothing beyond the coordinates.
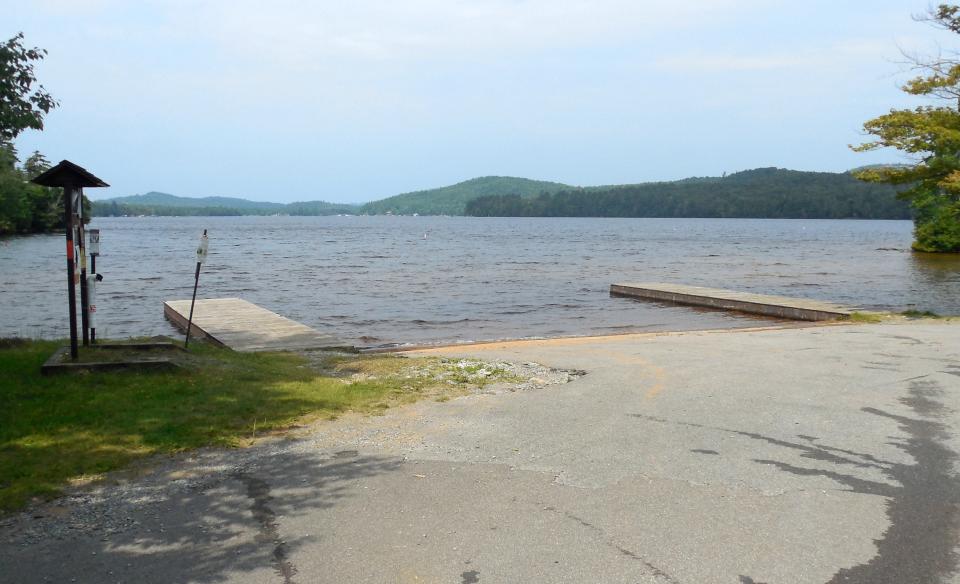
(923, 506)
(213, 530)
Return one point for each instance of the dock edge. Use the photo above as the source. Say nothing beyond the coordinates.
(778, 307)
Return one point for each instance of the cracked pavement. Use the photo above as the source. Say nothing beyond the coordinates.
(824, 454)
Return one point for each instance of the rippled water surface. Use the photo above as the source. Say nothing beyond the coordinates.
(375, 280)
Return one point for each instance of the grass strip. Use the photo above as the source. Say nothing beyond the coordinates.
(54, 430)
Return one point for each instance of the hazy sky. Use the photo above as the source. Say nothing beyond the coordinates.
(357, 100)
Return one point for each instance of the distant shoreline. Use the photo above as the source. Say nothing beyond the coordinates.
(769, 193)
(495, 217)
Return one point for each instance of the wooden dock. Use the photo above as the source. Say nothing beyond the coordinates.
(776, 306)
(244, 326)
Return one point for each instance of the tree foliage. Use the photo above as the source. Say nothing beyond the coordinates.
(759, 193)
(23, 101)
(24, 206)
(931, 135)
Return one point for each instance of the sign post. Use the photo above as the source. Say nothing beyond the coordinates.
(201, 258)
(72, 179)
(94, 250)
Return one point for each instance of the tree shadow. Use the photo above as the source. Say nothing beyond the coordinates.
(923, 507)
(206, 528)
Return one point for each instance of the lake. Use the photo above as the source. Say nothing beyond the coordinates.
(381, 280)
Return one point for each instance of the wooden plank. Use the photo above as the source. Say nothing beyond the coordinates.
(777, 306)
(244, 326)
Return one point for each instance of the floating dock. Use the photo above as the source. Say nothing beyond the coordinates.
(246, 327)
(776, 306)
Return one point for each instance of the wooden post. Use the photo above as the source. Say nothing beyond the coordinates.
(71, 269)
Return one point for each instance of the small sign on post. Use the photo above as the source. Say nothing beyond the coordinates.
(94, 247)
(202, 250)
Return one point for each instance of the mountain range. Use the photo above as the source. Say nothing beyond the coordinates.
(161, 204)
(454, 199)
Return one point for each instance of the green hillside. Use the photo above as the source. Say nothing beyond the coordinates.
(163, 204)
(155, 199)
(452, 200)
(758, 193)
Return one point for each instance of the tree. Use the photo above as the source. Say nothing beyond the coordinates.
(36, 164)
(24, 207)
(46, 204)
(22, 105)
(931, 134)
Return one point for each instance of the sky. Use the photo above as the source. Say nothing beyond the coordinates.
(360, 100)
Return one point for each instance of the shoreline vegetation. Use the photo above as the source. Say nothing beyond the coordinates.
(26, 207)
(760, 193)
(61, 430)
(928, 135)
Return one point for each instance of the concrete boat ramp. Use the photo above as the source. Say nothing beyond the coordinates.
(801, 455)
(776, 306)
(246, 327)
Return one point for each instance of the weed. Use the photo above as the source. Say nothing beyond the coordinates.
(920, 314)
(866, 317)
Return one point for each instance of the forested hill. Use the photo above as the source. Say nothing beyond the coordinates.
(163, 204)
(763, 192)
(156, 199)
(452, 200)
(759, 193)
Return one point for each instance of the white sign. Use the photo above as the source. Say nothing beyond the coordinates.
(94, 247)
(78, 257)
(202, 249)
(76, 201)
(92, 300)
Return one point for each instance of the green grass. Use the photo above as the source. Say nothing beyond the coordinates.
(920, 314)
(866, 317)
(54, 430)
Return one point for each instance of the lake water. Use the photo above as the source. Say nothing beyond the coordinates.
(378, 280)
